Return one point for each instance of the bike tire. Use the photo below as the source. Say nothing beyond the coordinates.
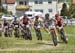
(54, 38)
(16, 33)
(63, 37)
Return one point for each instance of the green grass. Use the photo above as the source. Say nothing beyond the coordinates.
(15, 45)
(70, 29)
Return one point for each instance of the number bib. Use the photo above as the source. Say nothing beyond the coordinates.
(38, 26)
(16, 25)
(27, 26)
(0, 28)
(6, 26)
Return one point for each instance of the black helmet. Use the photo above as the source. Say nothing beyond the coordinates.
(36, 16)
(47, 16)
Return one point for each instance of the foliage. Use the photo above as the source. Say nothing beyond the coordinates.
(64, 11)
(72, 10)
(0, 6)
(2, 9)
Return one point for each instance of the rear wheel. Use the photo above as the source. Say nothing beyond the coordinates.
(29, 36)
(16, 33)
(0, 34)
(6, 33)
(63, 36)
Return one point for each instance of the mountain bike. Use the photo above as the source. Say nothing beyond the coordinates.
(26, 32)
(16, 31)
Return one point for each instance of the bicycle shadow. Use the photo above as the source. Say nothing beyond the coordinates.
(60, 42)
(50, 44)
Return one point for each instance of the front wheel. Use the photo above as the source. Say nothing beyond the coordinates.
(6, 33)
(54, 37)
(16, 33)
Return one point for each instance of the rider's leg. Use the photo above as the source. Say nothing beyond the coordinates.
(57, 32)
(36, 31)
(46, 29)
(39, 33)
(64, 32)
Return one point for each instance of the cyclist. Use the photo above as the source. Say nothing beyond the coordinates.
(59, 23)
(37, 26)
(25, 23)
(16, 27)
(5, 27)
(49, 23)
(5, 22)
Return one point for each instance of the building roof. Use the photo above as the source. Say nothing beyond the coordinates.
(10, 1)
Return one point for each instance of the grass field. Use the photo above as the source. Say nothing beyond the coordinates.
(15, 45)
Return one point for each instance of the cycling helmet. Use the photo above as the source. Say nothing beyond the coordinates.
(47, 15)
(56, 15)
(36, 17)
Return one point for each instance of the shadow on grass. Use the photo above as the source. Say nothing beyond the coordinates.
(60, 42)
(41, 43)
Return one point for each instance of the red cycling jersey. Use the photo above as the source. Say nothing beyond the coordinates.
(59, 21)
(25, 20)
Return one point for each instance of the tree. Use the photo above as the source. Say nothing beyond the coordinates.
(0, 6)
(72, 10)
(64, 10)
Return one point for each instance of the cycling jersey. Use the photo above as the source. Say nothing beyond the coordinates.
(49, 23)
(16, 24)
(37, 24)
(59, 21)
(5, 23)
(25, 21)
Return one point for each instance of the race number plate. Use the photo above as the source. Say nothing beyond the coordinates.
(16, 25)
(27, 26)
(0, 28)
(38, 26)
(6, 26)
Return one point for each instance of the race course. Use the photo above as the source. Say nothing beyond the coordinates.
(19, 45)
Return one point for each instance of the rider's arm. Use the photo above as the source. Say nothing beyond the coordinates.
(62, 20)
(43, 24)
(21, 22)
(45, 28)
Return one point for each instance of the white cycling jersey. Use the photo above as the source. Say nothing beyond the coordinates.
(50, 23)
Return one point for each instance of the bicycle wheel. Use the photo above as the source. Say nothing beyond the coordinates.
(6, 33)
(54, 37)
(16, 33)
(63, 36)
(29, 36)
